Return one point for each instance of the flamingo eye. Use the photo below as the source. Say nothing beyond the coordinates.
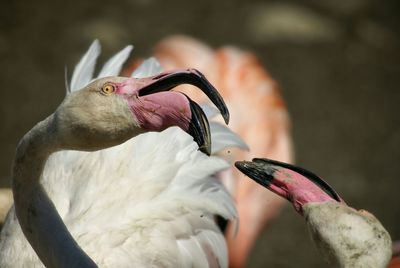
(108, 89)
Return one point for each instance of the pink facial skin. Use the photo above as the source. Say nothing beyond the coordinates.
(131, 86)
(157, 111)
(297, 189)
(161, 110)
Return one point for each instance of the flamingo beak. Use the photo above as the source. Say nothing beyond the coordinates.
(199, 128)
(296, 184)
(168, 80)
(198, 125)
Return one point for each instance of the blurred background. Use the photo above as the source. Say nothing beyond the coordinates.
(337, 63)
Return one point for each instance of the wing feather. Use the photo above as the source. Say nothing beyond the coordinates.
(83, 72)
(149, 67)
(222, 138)
(114, 65)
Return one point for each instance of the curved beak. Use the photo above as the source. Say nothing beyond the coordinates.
(168, 80)
(296, 184)
(199, 128)
(158, 111)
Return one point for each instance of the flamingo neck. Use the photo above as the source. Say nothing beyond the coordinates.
(36, 213)
(347, 237)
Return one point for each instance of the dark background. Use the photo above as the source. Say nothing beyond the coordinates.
(337, 63)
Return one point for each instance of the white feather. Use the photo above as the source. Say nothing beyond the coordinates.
(114, 65)
(210, 111)
(83, 72)
(67, 88)
(149, 67)
(153, 207)
(222, 137)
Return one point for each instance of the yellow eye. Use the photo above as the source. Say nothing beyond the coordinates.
(108, 89)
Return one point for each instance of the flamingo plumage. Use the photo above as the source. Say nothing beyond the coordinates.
(154, 206)
(345, 237)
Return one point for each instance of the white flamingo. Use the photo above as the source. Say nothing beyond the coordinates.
(154, 206)
(345, 237)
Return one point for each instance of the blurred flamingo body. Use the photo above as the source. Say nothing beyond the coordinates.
(395, 261)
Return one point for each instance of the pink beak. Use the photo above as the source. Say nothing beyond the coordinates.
(157, 109)
(296, 184)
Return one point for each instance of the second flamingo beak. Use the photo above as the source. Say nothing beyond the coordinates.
(296, 184)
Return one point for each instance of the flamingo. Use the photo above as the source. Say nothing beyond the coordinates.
(243, 82)
(75, 205)
(346, 237)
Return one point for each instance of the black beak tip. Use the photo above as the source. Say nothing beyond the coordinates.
(241, 165)
(248, 168)
(199, 128)
(226, 116)
(259, 172)
(205, 149)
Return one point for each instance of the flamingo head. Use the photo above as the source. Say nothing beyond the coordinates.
(345, 237)
(111, 110)
(297, 185)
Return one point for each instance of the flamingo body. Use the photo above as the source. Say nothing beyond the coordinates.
(155, 208)
(148, 202)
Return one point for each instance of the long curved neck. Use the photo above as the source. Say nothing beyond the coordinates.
(37, 215)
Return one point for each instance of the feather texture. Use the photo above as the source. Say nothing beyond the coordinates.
(222, 138)
(67, 87)
(114, 65)
(83, 71)
(149, 67)
(152, 207)
(210, 111)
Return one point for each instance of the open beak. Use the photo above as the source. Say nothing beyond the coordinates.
(198, 126)
(296, 184)
(168, 80)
